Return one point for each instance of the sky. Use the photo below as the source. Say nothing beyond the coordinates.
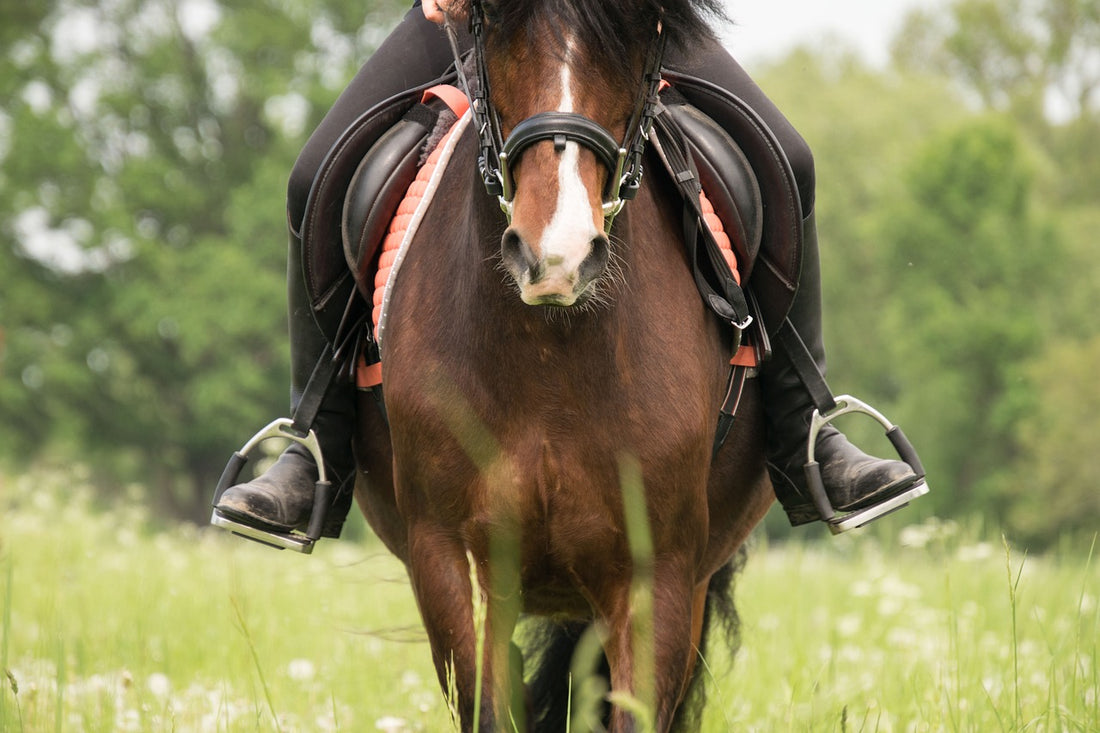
(768, 28)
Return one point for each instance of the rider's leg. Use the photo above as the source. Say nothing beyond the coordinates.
(282, 497)
(415, 53)
(852, 479)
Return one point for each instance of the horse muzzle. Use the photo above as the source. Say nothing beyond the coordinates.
(563, 277)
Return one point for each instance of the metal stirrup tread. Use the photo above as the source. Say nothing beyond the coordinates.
(906, 492)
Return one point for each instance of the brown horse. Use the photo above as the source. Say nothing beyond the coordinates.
(533, 363)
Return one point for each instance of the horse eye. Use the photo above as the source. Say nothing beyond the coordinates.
(491, 12)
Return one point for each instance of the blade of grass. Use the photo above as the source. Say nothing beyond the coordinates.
(255, 660)
(451, 695)
(636, 517)
(1013, 587)
(6, 630)
(479, 636)
(7, 614)
(59, 711)
(1078, 658)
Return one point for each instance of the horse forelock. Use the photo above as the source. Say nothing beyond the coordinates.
(611, 30)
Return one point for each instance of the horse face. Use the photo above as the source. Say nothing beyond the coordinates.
(556, 249)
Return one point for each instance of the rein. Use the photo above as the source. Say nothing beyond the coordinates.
(623, 160)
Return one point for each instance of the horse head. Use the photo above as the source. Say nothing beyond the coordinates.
(567, 104)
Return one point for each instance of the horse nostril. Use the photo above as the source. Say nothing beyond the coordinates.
(598, 255)
(517, 254)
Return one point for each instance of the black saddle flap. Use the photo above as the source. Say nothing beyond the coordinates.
(377, 188)
(327, 276)
(727, 179)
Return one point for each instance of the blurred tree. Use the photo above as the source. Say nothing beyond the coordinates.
(1038, 60)
(145, 146)
(1053, 496)
(863, 126)
(975, 260)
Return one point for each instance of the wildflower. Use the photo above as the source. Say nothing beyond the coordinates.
(159, 684)
(301, 670)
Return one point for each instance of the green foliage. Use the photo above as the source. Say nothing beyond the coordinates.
(145, 152)
(1036, 59)
(863, 127)
(1058, 435)
(971, 256)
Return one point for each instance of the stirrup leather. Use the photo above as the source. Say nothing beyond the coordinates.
(846, 404)
(322, 496)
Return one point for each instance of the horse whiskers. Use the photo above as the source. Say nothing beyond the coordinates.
(599, 295)
(603, 290)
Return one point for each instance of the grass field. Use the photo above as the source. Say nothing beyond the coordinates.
(108, 625)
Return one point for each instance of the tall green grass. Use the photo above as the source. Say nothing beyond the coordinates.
(111, 625)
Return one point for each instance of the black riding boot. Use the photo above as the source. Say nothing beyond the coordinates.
(853, 480)
(281, 499)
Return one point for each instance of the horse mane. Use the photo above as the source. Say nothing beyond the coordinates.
(611, 29)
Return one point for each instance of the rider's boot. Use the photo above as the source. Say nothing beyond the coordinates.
(855, 483)
(281, 499)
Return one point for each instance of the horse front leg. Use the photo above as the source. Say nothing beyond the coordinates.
(650, 649)
(469, 634)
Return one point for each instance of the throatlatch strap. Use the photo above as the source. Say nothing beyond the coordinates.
(806, 368)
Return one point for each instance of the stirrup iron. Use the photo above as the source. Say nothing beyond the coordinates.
(322, 496)
(846, 404)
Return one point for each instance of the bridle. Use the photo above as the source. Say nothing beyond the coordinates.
(623, 160)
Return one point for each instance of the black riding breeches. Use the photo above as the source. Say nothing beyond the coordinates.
(416, 52)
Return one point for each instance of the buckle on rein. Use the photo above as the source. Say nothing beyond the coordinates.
(322, 495)
(846, 404)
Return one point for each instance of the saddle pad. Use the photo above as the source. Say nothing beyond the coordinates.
(406, 222)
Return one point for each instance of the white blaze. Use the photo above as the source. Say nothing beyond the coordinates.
(566, 240)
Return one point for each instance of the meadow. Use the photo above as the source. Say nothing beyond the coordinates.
(111, 622)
